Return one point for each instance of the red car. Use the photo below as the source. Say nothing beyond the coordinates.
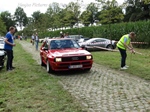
(63, 54)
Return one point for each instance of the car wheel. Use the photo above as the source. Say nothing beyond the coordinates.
(48, 67)
(3, 64)
(110, 46)
(86, 48)
(41, 62)
(87, 69)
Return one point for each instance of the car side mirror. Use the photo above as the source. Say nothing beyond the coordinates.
(83, 47)
(44, 48)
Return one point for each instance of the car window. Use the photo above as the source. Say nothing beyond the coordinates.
(63, 44)
(1, 41)
(46, 45)
(94, 41)
(100, 40)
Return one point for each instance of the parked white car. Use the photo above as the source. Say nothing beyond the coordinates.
(2, 52)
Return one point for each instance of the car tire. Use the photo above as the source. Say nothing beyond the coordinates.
(87, 69)
(41, 62)
(3, 64)
(110, 46)
(86, 48)
(48, 67)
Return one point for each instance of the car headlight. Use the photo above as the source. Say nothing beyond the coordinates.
(88, 57)
(58, 59)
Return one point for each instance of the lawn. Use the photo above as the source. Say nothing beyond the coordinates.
(139, 64)
(29, 88)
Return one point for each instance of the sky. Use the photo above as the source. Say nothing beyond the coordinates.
(31, 6)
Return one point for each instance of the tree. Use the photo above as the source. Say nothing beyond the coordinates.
(8, 19)
(36, 15)
(146, 1)
(74, 7)
(92, 7)
(111, 12)
(137, 10)
(2, 27)
(41, 23)
(20, 17)
(53, 13)
(86, 17)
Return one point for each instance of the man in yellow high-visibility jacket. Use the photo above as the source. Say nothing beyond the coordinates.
(123, 44)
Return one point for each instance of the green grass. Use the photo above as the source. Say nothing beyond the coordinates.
(139, 64)
(29, 88)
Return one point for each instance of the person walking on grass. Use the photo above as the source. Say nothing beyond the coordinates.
(123, 44)
(36, 41)
(8, 47)
(32, 39)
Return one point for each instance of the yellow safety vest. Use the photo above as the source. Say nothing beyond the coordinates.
(120, 43)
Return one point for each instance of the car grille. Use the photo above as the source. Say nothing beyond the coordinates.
(74, 58)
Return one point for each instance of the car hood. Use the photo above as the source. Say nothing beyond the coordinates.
(68, 52)
(1, 46)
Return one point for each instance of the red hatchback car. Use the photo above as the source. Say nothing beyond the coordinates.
(63, 54)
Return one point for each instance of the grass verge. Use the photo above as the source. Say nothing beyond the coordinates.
(29, 88)
(139, 64)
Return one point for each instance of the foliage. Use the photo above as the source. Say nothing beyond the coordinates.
(20, 17)
(36, 15)
(137, 10)
(86, 18)
(8, 19)
(2, 27)
(112, 31)
(111, 12)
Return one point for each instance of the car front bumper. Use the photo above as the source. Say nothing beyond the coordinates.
(63, 66)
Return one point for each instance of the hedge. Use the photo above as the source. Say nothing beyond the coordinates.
(112, 31)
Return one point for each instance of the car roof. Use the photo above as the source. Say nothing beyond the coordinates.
(75, 35)
(92, 39)
(98, 38)
(59, 39)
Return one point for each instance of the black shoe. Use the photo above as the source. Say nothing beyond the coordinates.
(13, 68)
(9, 70)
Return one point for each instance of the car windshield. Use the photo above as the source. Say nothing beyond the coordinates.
(1, 41)
(63, 44)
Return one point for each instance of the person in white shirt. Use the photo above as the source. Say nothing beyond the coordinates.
(37, 41)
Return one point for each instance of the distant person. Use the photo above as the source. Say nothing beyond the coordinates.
(36, 41)
(66, 35)
(32, 39)
(61, 35)
(19, 37)
(123, 44)
(8, 47)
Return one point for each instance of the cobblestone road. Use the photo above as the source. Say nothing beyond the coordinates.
(103, 89)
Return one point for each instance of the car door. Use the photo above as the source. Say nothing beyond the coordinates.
(101, 42)
(45, 52)
(92, 45)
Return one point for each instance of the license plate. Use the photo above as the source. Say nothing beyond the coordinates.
(75, 66)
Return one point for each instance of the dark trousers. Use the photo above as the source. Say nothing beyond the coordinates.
(9, 54)
(123, 56)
